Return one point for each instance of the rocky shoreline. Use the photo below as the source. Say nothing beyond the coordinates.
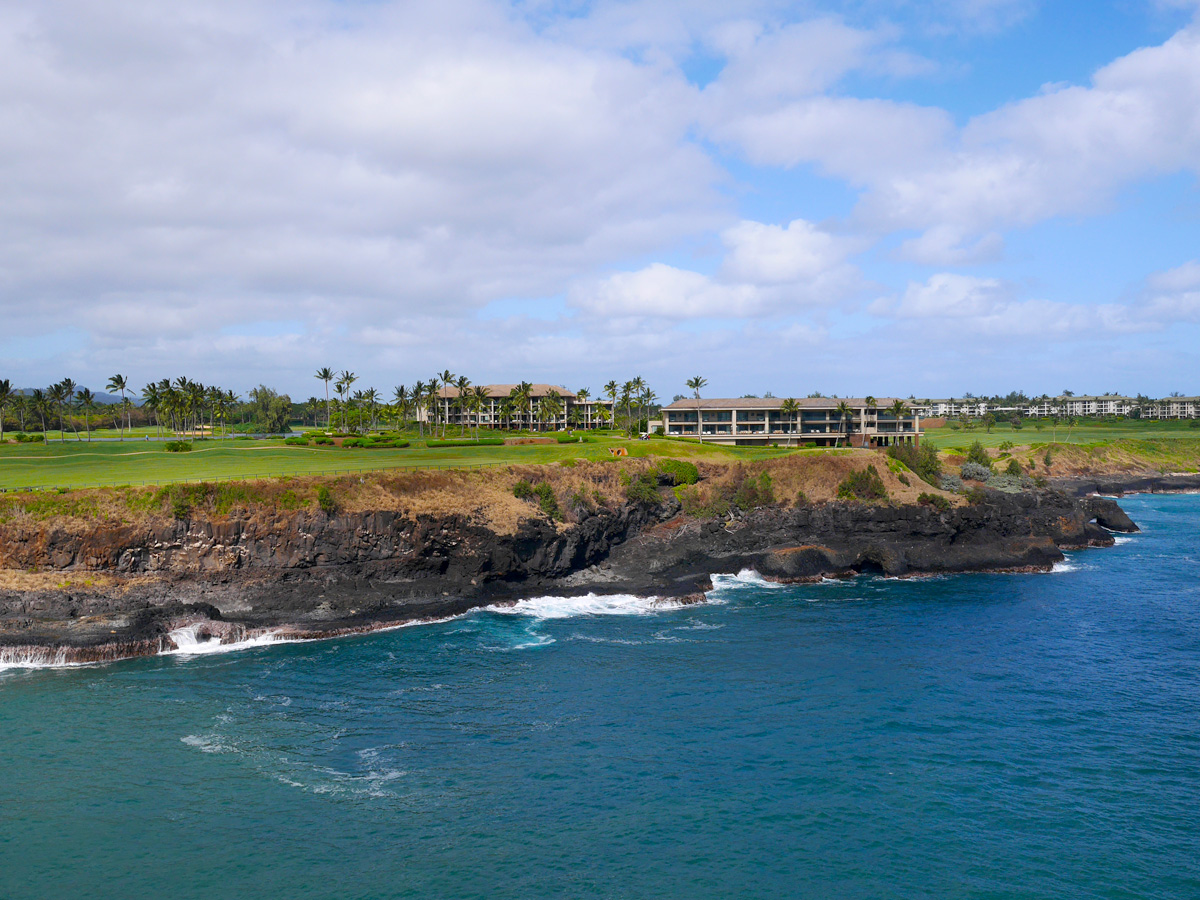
(124, 591)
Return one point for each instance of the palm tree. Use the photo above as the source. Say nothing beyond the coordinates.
(400, 396)
(696, 384)
(346, 380)
(372, 397)
(432, 396)
(582, 395)
(638, 386)
(789, 409)
(551, 406)
(447, 380)
(611, 389)
(462, 383)
(898, 410)
(119, 383)
(846, 414)
(6, 395)
(69, 390)
(522, 397)
(87, 402)
(326, 375)
(56, 394)
(418, 397)
(41, 405)
(480, 399)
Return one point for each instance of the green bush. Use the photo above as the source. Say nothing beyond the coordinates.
(547, 501)
(325, 500)
(482, 442)
(177, 447)
(680, 470)
(863, 485)
(352, 443)
(750, 492)
(937, 501)
(923, 460)
(1006, 445)
(972, 471)
(23, 438)
(1014, 468)
(523, 490)
(1047, 459)
(976, 496)
(643, 489)
(323, 441)
(296, 441)
(569, 438)
(978, 455)
(801, 499)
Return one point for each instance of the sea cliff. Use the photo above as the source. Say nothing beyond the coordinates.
(108, 577)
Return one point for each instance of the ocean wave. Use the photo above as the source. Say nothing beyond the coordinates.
(744, 578)
(12, 658)
(586, 605)
(1065, 566)
(191, 640)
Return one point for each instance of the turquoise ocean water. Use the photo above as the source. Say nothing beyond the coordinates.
(979, 736)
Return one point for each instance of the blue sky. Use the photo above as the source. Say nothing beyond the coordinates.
(877, 196)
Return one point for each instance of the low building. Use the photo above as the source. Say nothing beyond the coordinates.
(750, 421)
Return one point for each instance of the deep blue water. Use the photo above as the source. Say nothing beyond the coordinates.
(976, 736)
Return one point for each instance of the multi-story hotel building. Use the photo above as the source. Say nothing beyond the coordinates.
(750, 421)
(500, 412)
(1176, 408)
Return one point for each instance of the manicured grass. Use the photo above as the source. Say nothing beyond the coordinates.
(1088, 431)
(81, 465)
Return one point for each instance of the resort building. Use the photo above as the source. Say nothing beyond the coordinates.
(749, 421)
(1176, 408)
(547, 407)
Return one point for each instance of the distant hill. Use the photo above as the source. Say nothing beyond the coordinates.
(101, 399)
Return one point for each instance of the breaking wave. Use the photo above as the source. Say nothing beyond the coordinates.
(586, 605)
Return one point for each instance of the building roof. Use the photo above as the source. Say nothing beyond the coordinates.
(499, 391)
(881, 403)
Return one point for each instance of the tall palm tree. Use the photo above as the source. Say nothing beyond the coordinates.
(582, 395)
(326, 375)
(56, 395)
(611, 390)
(638, 387)
(463, 383)
(6, 396)
(552, 404)
(400, 397)
(846, 413)
(119, 383)
(69, 390)
(898, 410)
(347, 379)
(372, 397)
(506, 412)
(696, 384)
(447, 380)
(41, 405)
(481, 400)
(87, 402)
(522, 397)
(418, 398)
(789, 409)
(432, 405)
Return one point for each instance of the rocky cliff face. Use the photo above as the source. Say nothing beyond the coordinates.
(125, 587)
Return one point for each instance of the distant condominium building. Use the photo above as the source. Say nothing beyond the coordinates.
(1176, 408)
(549, 407)
(749, 421)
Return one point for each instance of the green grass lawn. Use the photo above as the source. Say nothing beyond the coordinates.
(85, 465)
(1087, 432)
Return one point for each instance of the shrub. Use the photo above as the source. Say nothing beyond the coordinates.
(681, 471)
(523, 490)
(921, 460)
(23, 438)
(903, 479)
(568, 463)
(547, 501)
(1007, 445)
(937, 501)
(351, 443)
(694, 505)
(325, 500)
(1048, 459)
(643, 489)
(1014, 468)
(482, 442)
(976, 496)
(1010, 484)
(952, 483)
(972, 471)
(863, 485)
(748, 492)
(177, 447)
(569, 438)
(978, 455)
(323, 441)
(296, 441)
(801, 499)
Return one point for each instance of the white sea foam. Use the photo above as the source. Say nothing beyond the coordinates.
(191, 641)
(35, 658)
(1064, 566)
(1119, 539)
(586, 605)
(744, 578)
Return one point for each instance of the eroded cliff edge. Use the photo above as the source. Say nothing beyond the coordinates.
(103, 582)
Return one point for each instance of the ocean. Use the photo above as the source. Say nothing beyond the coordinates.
(976, 736)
